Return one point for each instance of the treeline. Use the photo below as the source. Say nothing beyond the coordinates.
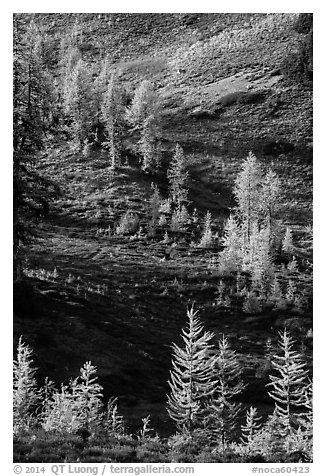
(78, 101)
(205, 386)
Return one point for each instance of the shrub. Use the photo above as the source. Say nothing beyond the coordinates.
(129, 224)
(77, 406)
(179, 219)
(251, 304)
(113, 422)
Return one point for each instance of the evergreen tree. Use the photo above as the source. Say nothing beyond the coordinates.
(149, 145)
(112, 116)
(104, 74)
(113, 422)
(247, 192)
(78, 102)
(207, 237)
(291, 291)
(31, 112)
(144, 104)
(270, 202)
(59, 412)
(306, 419)
(231, 257)
(192, 377)
(222, 411)
(289, 383)
(257, 260)
(293, 266)
(144, 118)
(178, 177)
(250, 429)
(87, 396)
(76, 406)
(26, 396)
(287, 244)
(154, 208)
(251, 304)
(276, 291)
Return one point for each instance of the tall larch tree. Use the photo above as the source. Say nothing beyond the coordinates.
(112, 111)
(247, 195)
(78, 102)
(178, 177)
(222, 411)
(192, 379)
(288, 384)
(31, 112)
(231, 257)
(270, 203)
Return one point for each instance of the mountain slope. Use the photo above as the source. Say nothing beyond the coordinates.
(121, 301)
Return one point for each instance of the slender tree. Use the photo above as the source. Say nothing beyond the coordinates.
(192, 379)
(222, 410)
(287, 244)
(78, 102)
(154, 208)
(26, 395)
(149, 145)
(207, 238)
(289, 383)
(270, 202)
(178, 177)
(144, 104)
(251, 427)
(231, 257)
(112, 116)
(247, 190)
(31, 111)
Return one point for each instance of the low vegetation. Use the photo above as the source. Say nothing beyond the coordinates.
(204, 384)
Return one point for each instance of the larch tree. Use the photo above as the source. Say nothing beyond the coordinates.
(289, 384)
(144, 104)
(26, 395)
(222, 410)
(144, 119)
(258, 258)
(31, 113)
(247, 191)
(154, 209)
(231, 257)
(178, 177)
(112, 116)
(251, 428)
(148, 144)
(287, 244)
(207, 238)
(78, 102)
(270, 203)
(192, 379)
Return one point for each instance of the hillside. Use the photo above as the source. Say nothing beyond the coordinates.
(119, 300)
